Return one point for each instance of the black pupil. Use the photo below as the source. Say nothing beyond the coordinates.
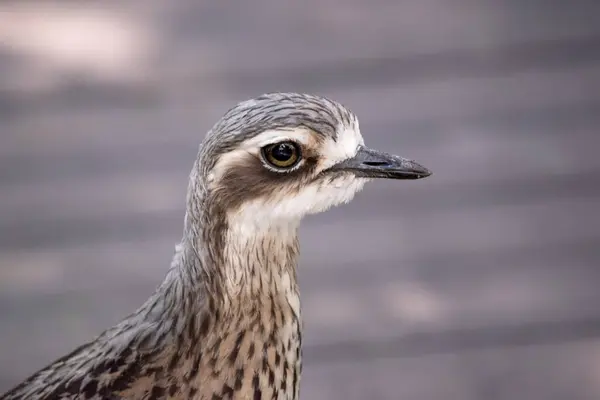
(283, 152)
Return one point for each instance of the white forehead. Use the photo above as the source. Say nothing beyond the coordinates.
(345, 146)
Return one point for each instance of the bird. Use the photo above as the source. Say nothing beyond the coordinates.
(226, 321)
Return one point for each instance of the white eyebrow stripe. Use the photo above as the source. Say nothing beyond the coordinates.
(299, 135)
(331, 152)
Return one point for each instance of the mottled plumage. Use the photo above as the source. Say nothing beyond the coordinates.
(225, 323)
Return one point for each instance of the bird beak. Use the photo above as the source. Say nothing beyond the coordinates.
(368, 163)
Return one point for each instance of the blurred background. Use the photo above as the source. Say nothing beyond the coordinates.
(481, 282)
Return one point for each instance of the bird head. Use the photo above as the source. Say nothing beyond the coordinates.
(281, 156)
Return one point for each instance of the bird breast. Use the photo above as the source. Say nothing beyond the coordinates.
(254, 353)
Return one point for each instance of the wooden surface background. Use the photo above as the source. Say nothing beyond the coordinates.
(481, 282)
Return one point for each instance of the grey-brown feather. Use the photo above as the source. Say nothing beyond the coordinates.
(194, 338)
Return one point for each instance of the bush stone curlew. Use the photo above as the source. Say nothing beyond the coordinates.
(225, 323)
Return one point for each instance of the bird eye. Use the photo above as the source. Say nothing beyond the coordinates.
(282, 155)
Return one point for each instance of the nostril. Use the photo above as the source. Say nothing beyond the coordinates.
(375, 163)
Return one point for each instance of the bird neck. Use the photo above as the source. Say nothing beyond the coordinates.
(234, 261)
(259, 261)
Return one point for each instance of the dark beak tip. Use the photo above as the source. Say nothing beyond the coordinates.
(425, 173)
(419, 171)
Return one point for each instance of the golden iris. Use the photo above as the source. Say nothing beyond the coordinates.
(282, 155)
